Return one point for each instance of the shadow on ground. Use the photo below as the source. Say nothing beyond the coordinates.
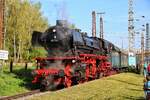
(26, 77)
(133, 98)
(126, 82)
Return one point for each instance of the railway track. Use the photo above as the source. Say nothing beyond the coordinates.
(21, 95)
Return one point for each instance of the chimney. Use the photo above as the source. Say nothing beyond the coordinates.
(93, 24)
(62, 23)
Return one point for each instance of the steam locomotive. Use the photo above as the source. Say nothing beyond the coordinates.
(73, 57)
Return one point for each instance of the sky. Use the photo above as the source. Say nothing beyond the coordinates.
(79, 12)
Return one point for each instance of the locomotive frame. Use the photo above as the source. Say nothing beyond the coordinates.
(93, 69)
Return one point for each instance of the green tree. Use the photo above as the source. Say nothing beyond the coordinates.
(23, 17)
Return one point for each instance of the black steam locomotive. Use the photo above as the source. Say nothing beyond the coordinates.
(69, 41)
(81, 58)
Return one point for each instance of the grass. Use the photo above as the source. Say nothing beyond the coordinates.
(16, 82)
(124, 86)
(9, 85)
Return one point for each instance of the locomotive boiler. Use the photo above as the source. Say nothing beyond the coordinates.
(73, 57)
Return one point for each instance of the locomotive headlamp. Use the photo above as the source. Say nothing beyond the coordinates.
(54, 30)
(73, 61)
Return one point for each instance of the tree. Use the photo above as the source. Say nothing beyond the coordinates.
(23, 17)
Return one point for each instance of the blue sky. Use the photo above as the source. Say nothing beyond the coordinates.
(78, 12)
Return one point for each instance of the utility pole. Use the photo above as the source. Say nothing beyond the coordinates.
(101, 25)
(122, 43)
(93, 24)
(147, 40)
(142, 51)
(147, 43)
(5, 20)
(131, 26)
(2, 28)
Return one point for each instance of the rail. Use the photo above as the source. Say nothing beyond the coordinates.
(17, 96)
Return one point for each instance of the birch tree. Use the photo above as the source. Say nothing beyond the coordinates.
(23, 17)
